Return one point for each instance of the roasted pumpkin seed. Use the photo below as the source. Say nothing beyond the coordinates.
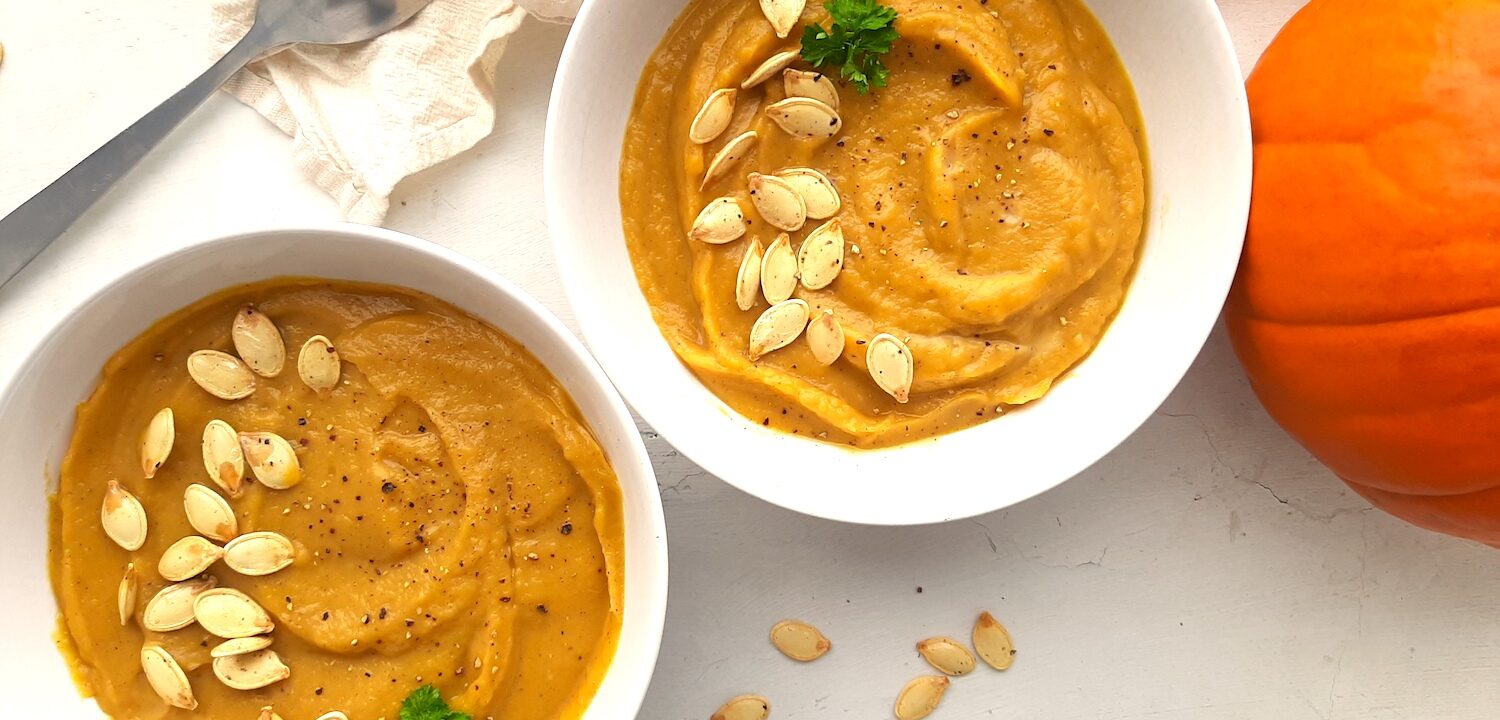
(259, 553)
(799, 641)
(713, 118)
(266, 713)
(810, 84)
(333, 715)
(822, 255)
(251, 671)
(166, 677)
(272, 459)
(920, 697)
(747, 282)
(778, 270)
(817, 191)
(777, 201)
(222, 457)
(221, 375)
(733, 151)
(782, 14)
(123, 517)
(156, 441)
(318, 364)
(744, 707)
(992, 642)
(768, 69)
(209, 513)
(805, 117)
(825, 338)
(258, 342)
(229, 613)
(721, 221)
(890, 364)
(777, 327)
(171, 608)
(240, 646)
(949, 656)
(188, 557)
(125, 596)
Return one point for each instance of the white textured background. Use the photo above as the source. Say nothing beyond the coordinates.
(1206, 569)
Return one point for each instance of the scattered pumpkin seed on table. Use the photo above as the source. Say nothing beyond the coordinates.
(743, 707)
(799, 640)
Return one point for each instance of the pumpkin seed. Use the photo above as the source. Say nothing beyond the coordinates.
(125, 597)
(949, 656)
(778, 270)
(156, 442)
(251, 671)
(920, 697)
(744, 707)
(259, 553)
(822, 255)
(209, 513)
(272, 459)
(777, 201)
(123, 517)
(222, 457)
(713, 118)
(188, 557)
(768, 69)
(258, 342)
(229, 613)
(266, 713)
(720, 221)
(799, 641)
(166, 677)
(318, 364)
(783, 14)
(817, 191)
(333, 715)
(171, 608)
(810, 84)
(825, 337)
(221, 375)
(732, 152)
(777, 327)
(890, 364)
(747, 282)
(992, 642)
(805, 117)
(240, 646)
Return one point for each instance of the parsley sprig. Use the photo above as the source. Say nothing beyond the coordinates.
(426, 703)
(862, 31)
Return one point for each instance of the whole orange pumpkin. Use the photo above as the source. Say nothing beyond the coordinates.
(1367, 307)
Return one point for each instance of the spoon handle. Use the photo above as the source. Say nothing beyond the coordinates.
(30, 228)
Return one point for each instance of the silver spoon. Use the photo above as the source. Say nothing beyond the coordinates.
(30, 228)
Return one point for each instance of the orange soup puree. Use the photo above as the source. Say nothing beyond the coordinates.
(453, 521)
(992, 200)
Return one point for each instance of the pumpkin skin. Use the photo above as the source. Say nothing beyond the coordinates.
(1367, 306)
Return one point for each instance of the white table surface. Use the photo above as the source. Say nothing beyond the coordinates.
(1208, 568)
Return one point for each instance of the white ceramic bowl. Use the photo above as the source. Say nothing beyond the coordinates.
(36, 411)
(1192, 95)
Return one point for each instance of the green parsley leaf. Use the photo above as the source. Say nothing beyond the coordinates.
(426, 703)
(862, 31)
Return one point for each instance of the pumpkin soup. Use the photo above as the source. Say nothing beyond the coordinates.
(873, 265)
(319, 496)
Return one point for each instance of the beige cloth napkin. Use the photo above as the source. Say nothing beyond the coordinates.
(363, 117)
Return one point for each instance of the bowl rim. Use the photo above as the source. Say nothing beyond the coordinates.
(638, 670)
(1201, 318)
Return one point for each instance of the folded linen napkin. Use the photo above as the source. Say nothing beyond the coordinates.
(362, 117)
